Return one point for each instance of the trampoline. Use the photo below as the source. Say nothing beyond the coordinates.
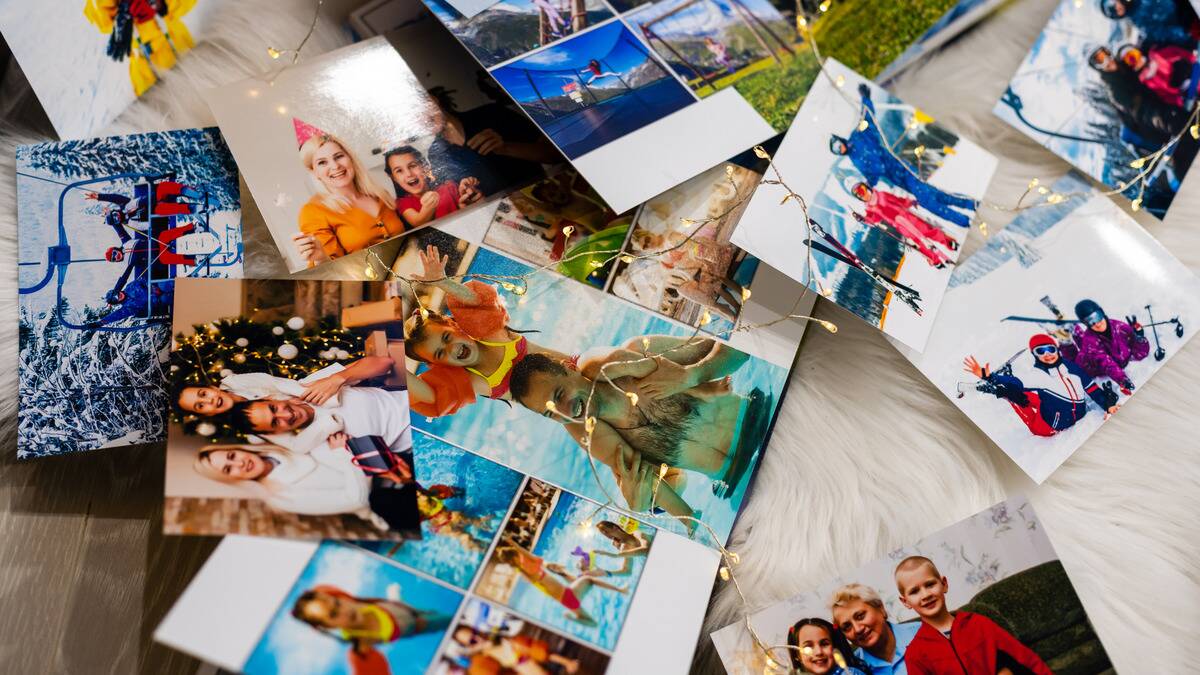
(594, 88)
(145, 296)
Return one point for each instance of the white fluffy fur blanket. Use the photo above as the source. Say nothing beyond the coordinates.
(867, 455)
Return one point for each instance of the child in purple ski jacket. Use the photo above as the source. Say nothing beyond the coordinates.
(1103, 347)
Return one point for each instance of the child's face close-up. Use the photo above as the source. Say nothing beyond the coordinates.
(922, 590)
(410, 173)
(332, 166)
(816, 650)
(448, 347)
(205, 400)
(332, 611)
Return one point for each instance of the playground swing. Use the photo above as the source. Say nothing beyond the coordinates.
(157, 272)
(674, 19)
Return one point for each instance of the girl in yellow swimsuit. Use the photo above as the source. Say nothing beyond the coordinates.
(567, 592)
(363, 623)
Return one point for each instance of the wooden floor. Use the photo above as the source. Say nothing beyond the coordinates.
(85, 573)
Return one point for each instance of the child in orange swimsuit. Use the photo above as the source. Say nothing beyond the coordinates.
(469, 353)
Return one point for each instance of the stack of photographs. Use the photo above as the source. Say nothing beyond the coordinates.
(411, 420)
(619, 85)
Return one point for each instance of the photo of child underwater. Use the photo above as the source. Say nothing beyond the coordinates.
(462, 499)
(890, 196)
(1050, 327)
(289, 412)
(568, 563)
(695, 405)
(354, 613)
(1110, 82)
(486, 639)
(106, 226)
(365, 166)
(985, 595)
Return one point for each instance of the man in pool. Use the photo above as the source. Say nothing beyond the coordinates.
(674, 408)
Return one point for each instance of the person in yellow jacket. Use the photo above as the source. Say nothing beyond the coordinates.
(121, 19)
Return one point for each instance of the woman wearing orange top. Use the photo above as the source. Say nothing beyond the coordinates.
(350, 211)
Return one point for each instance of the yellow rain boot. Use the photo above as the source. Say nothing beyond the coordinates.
(140, 72)
(151, 35)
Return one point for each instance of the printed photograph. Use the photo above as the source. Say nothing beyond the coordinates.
(1038, 349)
(692, 273)
(745, 44)
(462, 499)
(338, 164)
(352, 613)
(87, 61)
(594, 88)
(985, 595)
(961, 17)
(1107, 83)
(510, 28)
(662, 396)
(486, 639)
(289, 412)
(568, 563)
(891, 195)
(105, 227)
(560, 220)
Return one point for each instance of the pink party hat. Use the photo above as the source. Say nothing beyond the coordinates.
(305, 131)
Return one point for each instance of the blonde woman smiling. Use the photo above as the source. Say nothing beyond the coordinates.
(350, 211)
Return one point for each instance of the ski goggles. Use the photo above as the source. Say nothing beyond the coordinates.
(1044, 350)
(1094, 318)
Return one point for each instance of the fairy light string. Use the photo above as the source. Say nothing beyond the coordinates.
(1035, 195)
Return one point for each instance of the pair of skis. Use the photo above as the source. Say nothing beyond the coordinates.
(1060, 323)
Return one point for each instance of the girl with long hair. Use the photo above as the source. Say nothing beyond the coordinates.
(363, 623)
(815, 646)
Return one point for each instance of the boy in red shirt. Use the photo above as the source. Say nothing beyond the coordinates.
(962, 642)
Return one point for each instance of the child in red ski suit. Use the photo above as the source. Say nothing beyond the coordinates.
(894, 211)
